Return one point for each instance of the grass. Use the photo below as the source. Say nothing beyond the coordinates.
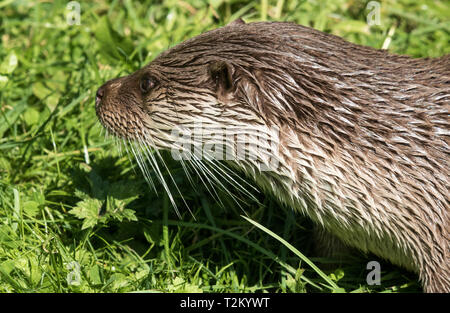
(67, 195)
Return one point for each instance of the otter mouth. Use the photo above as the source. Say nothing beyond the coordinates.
(114, 111)
(99, 95)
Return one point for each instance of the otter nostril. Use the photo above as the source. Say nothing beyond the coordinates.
(99, 95)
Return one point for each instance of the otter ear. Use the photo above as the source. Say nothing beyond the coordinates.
(236, 22)
(221, 73)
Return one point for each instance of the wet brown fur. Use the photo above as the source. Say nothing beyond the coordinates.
(364, 134)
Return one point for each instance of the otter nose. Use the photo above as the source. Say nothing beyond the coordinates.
(99, 95)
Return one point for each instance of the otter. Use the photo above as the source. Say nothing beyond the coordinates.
(361, 135)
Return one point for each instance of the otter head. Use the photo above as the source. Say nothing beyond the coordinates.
(203, 84)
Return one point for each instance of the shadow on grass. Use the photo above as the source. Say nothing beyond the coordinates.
(106, 182)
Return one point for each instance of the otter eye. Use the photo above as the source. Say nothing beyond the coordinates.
(147, 83)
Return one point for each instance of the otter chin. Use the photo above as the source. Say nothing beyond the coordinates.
(355, 138)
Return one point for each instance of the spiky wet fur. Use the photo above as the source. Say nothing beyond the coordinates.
(364, 134)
